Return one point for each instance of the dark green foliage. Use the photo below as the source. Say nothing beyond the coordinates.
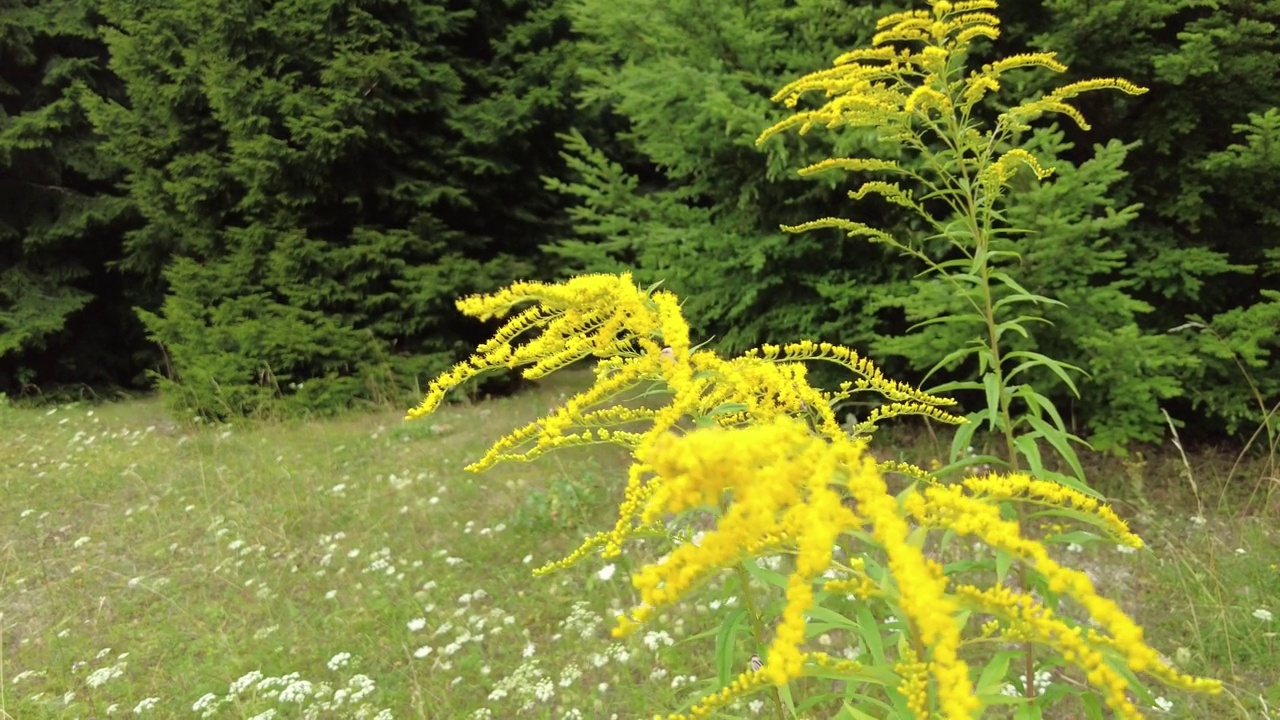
(1205, 171)
(697, 204)
(59, 226)
(519, 66)
(328, 192)
(293, 193)
(1071, 249)
(682, 195)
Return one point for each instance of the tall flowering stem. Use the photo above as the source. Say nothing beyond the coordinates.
(912, 87)
(749, 440)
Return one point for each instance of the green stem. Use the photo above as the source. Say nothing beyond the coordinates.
(757, 629)
(1006, 415)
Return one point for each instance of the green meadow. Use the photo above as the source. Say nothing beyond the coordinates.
(350, 568)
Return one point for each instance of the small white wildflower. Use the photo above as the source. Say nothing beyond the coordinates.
(102, 676)
(422, 652)
(208, 701)
(527, 558)
(417, 624)
(1198, 520)
(1163, 705)
(339, 661)
(653, 640)
(296, 692)
(80, 542)
(606, 572)
(244, 682)
(267, 714)
(1075, 547)
(1126, 549)
(1263, 614)
(145, 704)
(529, 650)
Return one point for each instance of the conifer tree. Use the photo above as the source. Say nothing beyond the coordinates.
(63, 314)
(313, 177)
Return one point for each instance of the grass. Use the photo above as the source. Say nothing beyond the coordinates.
(345, 568)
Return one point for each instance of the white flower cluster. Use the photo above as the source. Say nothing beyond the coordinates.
(268, 695)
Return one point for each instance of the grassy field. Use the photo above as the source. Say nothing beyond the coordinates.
(349, 568)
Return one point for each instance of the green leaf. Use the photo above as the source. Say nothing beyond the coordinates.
(961, 441)
(1062, 443)
(726, 645)
(1079, 516)
(832, 618)
(964, 566)
(1014, 325)
(952, 357)
(1026, 446)
(953, 386)
(1004, 561)
(1003, 277)
(787, 701)
(994, 673)
(765, 575)
(1079, 537)
(1028, 711)
(1092, 706)
(991, 384)
(816, 699)
(869, 631)
(849, 712)
(1039, 403)
(1039, 359)
(727, 409)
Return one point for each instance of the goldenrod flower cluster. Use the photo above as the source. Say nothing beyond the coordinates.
(782, 475)
(910, 86)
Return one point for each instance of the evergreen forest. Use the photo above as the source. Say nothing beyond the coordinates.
(269, 207)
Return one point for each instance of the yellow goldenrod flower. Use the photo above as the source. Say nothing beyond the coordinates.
(782, 476)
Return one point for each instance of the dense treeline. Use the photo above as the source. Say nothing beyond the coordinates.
(271, 205)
